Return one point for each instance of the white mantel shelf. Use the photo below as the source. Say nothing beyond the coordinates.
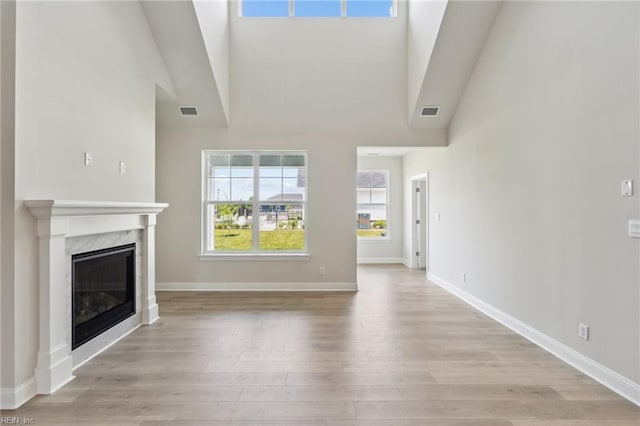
(58, 220)
(43, 209)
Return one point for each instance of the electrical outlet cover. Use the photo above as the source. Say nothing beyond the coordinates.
(583, 331)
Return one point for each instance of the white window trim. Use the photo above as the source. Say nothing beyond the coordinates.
(375, 240)
(387, 238)
(255, 253)
(226, 256)
(343, 12)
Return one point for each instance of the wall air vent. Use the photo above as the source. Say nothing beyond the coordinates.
(188, 110)
(429, 111)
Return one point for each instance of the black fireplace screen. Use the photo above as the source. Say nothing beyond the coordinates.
(103, 291)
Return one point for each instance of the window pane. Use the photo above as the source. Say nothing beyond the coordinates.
(295, 179)
(241, 189)
(265, 8)
(282, 227)
(371, 221)
(370, 8)
(376, 212)
(378, 180)
(232, 227)
(220, 172)
(270, 189)
(219, 160)
(245, 172)
(291, 191)
(242, 160)
(364, 195)
(221, 190)
(292, 172)
(271, 160)
(364, 179)
(275, 172)
(317, 8)
(293, 160)
(379, 195)
(302, 177)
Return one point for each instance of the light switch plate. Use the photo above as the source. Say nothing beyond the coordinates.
(88, 159)
(627, 188)
(634, 228)
(123, 167)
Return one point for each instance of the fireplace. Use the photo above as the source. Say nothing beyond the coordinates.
(68, 227)
(103, 291)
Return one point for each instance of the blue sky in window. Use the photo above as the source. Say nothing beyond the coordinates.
(369, 8)
(265, 8)
(316, 8)
(236, 183)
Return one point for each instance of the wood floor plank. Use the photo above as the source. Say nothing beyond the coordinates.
(267, 411)
(173, 393)
(509, 409)
(297, 422)
(358, 378)
(400, 352)
(423, 422)
(320, 393)
(574, 422)
(84, 423)
(477, 392)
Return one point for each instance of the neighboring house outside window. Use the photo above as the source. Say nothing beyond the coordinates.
(373, 196)
(254, 202)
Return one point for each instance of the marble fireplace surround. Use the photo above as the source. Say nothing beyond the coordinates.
(58, 221)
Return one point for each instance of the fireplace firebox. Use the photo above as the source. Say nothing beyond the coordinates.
(103, 291)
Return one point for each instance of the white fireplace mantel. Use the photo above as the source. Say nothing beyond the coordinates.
(58, 220)
(45, 209)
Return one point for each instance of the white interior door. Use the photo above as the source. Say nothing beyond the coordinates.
(419, 221)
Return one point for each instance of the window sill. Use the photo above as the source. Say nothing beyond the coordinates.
(253, 256)
(374, 240)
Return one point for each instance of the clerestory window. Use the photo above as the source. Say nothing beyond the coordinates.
(317, 8)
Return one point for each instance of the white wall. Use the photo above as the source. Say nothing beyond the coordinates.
(529, 188)
(213, 19)
(86, 75)
(387, 250)
(425, 18)
(326, 86)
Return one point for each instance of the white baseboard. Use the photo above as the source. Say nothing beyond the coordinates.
(609, 378)
(256, 286)
(12, 398)
(375, 260)
(407, 263)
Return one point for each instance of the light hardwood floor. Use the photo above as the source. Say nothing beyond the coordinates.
(400, 352)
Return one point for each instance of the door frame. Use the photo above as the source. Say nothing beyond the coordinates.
(420, 230)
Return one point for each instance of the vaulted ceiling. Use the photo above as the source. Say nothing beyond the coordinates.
(319, 71)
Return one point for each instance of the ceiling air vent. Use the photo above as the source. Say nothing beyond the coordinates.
(188, 110)
(429, 111)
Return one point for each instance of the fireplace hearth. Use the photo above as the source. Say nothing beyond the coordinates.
(103, 291)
